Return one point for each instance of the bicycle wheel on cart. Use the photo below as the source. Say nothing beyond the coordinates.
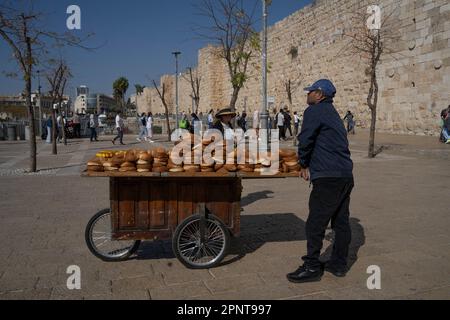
(98, 236)
(201, 243)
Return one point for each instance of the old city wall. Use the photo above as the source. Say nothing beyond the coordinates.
(414, 78)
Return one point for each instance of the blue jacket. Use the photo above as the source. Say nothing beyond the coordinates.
(323, 145)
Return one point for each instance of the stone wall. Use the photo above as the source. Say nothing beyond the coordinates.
(414, 78)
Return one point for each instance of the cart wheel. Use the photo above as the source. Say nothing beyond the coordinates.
(98, 239)
(194, 253)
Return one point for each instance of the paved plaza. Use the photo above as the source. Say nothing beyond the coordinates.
(399, 217)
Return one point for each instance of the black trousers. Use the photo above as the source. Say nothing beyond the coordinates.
(282, 132)
(119, 135)
(329, 201)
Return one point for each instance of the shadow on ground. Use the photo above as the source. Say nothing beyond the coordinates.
(256, 230)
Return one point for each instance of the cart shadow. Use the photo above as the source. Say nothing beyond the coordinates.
(255, 196)
(256, 230)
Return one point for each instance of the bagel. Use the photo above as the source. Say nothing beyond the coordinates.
(291, 163)
(286, 153)
(127, 165)
(96, 168)
(127, 169)
(142, 162)
(142, 170)
(130, 157)
(159, 169)
(111, 168)
(230, 167)
(144, 156)
(144, 166)
(207, 170)
(177, 169)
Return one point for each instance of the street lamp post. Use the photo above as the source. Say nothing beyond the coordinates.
(176, 54)
(264, 112)
(39, 103)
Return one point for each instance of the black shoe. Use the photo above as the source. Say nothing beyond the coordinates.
(336, 271)
(305, 274)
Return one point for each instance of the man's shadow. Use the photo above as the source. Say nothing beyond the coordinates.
(256, 230)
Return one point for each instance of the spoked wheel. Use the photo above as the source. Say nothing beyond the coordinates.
(195, 252)
(99, 240)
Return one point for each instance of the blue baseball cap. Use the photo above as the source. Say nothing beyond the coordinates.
(324, 85)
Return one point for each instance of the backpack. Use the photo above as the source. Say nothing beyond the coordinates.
(183, 124)
(143, 121)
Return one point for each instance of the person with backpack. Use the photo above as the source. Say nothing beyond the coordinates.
(350, 122)
(242, 122)
(142, 128)
(184, 122)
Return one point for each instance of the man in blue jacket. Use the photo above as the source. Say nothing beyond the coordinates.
(325, 161)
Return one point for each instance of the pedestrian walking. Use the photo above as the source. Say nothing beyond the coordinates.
(93, 125)
(142, 127)
(119, 128)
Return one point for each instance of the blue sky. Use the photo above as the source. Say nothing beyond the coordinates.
(136, 39)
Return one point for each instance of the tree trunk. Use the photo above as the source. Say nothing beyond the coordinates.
(373, 109)
(169, 131)
(372, 133)
(33, 162)
(234, 98)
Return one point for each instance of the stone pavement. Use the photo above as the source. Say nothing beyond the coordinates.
(400, 222)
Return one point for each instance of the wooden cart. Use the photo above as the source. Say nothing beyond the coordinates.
(199, 212)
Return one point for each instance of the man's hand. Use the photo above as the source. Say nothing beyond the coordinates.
(304, 173)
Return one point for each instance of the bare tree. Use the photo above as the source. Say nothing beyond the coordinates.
(162, 96)
(57, 78)
(231, 29)
(371, 44)
(20, 28)
(195, 80)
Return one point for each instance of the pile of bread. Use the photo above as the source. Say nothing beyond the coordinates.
(159, 160)
(155, 160)
(288, 161)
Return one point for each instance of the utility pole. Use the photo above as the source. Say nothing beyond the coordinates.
(39, 102)
(264, 114)
(176, 54)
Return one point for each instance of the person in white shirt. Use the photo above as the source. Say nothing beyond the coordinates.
(119, 128)
(150, 127)
(279, 119)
